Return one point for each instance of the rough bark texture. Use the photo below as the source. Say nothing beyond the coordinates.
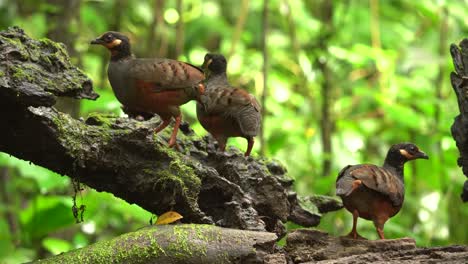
(191, 243)
(459, 80)
(184, 244)
(312, 246)
(124, 157)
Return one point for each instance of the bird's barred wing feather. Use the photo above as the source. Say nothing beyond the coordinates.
(234, 103)
(227, 100)
(373, 177)
(165, 74)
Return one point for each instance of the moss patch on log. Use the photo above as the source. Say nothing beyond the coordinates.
(43, 63)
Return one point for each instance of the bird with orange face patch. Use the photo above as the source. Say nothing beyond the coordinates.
(376, 193)
(150, 85)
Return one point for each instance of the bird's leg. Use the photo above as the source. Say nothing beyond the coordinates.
(379, 223)
(354, 234)
(162, 126)
(380, 232)
(172, 140)
(250, 143)
(221, 142)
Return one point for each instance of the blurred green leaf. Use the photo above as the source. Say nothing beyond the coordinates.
(56, 246)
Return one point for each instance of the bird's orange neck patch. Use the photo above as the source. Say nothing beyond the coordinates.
(113, 44)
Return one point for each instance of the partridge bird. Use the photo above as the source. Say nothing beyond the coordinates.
(226, 111)
(376, 193)
(155, 85)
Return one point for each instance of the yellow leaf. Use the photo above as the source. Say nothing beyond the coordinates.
(168, 217)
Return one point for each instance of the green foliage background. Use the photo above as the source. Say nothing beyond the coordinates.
(382, 67)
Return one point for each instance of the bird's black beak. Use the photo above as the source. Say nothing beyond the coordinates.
(97, 41)
(421, 155)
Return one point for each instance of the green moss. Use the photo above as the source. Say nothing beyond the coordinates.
(18, 45)
(100, 119)
(43, 62)
(191, 181)
(75, 135)
(184, 245)
(20, 75)
(2, 74)
(178, 171)
(179, 243)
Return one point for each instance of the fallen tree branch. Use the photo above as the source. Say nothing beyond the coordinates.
(176, 244)
(124, 157)
(312, 246)
(210, 244)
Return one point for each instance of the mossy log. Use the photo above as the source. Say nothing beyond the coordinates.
(459, 80)
(194, 243)
(186, 243)
(124, 157)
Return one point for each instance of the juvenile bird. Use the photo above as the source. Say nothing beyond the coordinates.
(155, 85)
(376, 193)
(226, 111)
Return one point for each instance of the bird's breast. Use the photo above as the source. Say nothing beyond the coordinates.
(119, 79)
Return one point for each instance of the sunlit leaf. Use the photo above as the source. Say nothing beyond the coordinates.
(56, 246)
(168, 217)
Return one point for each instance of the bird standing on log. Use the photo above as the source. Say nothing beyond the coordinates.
(226, 111)
(154, 85)
(376, 193)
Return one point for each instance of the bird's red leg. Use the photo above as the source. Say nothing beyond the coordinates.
(354, 234)
(250, 143)
(379, 223)
(380, 232)
(221, 142)
(162, 126)
(172, 140)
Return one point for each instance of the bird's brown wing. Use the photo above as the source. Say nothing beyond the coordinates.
(165, 74)
(225, 100)
(373, 177)
(234, 103)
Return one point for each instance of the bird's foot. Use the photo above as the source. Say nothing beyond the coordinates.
(355, 235)
(174, 144)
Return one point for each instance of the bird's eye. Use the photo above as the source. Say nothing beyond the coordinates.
(412, 148)
(109, 37)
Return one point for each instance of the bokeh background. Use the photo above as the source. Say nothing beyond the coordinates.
(345, 80)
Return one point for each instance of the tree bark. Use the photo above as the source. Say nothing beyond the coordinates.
(176, 244)
(312, 246)
(459, 80)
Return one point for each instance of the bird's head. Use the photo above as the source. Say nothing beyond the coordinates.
(117, 43)
(405, 152)
(214, 63)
